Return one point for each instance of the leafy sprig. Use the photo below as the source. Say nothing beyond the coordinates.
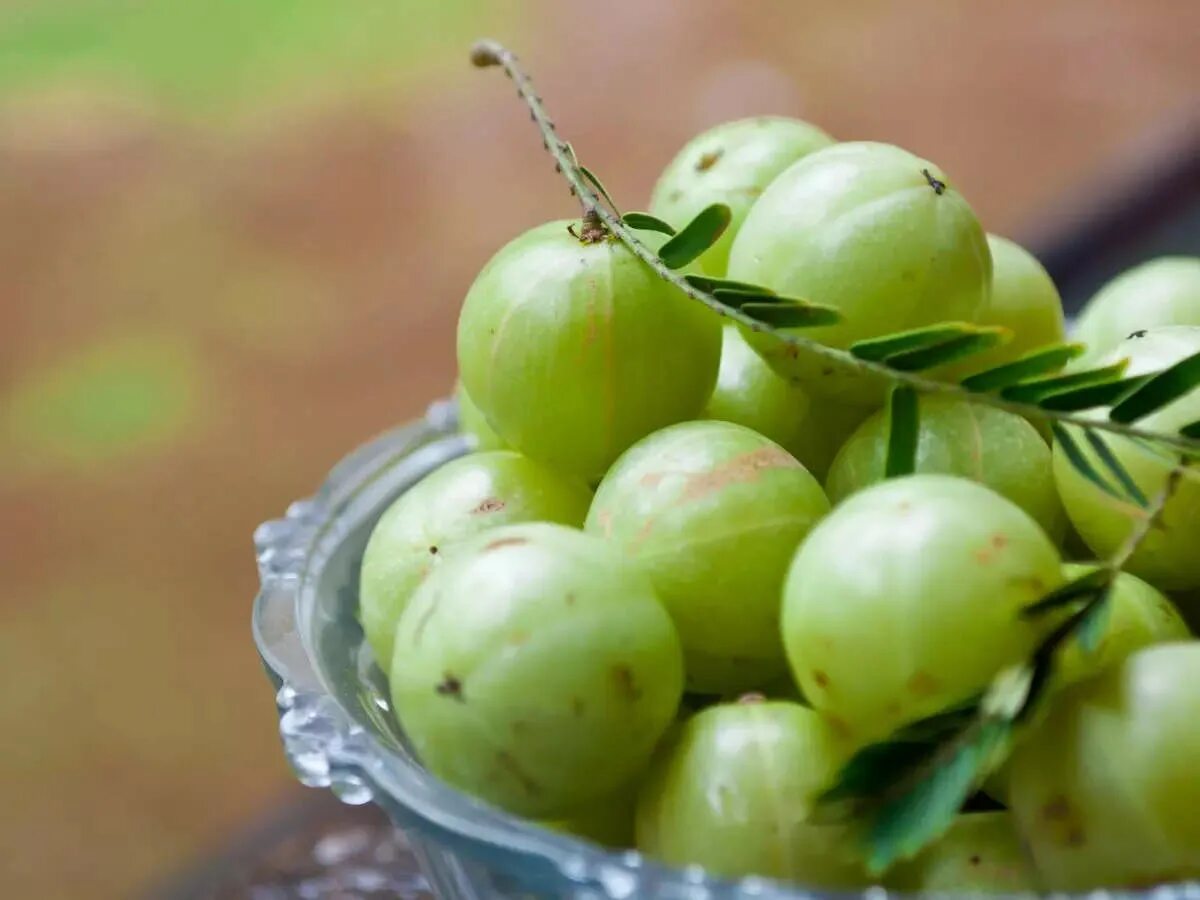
(905, 791)
(599, 208)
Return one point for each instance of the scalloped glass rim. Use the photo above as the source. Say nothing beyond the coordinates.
(335, 735)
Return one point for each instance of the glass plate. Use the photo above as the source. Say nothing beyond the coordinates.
(338, 732)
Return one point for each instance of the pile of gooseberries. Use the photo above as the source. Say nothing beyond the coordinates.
(675, 587)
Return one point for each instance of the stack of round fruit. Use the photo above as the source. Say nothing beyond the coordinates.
(672, 591)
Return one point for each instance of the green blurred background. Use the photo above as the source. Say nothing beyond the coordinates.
(233, 238)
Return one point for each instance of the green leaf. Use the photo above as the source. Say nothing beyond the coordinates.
(1191, 430)
(738, 299)
(599, 186)
(709, 285)
(1160, 389)
(930, 798)
(696, 237)
(1090, 396)
(1087, 585)
(646, 222)
(784, 313)
(921, 358)
(1094, 623)
(1115, 467)
(873, 769)
(1036, 362)
(1034, 391)
(903, 426)
(867, 774)
(880, 348)
(1080, 462)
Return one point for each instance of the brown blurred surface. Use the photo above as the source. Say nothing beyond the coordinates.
(200, 311)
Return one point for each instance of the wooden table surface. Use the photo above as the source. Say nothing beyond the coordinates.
(202, 308)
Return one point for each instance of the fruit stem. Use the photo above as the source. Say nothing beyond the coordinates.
(487, 53)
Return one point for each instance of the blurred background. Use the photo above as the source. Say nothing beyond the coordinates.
(234, 235)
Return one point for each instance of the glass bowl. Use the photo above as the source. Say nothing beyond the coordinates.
(338, 731)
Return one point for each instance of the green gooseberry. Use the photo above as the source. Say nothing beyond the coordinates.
(421, 528)
(873, 231)
(575, 350)
(536, 669)
(732, 164)
(712, 512)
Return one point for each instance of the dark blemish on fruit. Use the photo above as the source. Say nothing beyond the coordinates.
(939, 187)
(708, 160)
(791, 351)
(827, 370)
(975, 860)
(999, 541)
(984, 555)
(433, 550)
(577, 706)
(626, 686)
(922, 683)
(839, 726)
(675, 196)
(510, 765)
(1140, 333)
(1075, 837)
(451, 686)
(489, 505)
(571, 598)
(820, 678)
(1056, 809)
(752, 698)
(1033, 582)
(506, 542)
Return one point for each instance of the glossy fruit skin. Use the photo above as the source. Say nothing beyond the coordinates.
(536, 670)
(1105, 791)
(905, 600)
(472, 423)
(712, 512)
(1168, 557)
(749, 392)
(981, 853)
(859, 227)
(731, 164)
(1163, 291)
(421, 529)
(574, 351)
(994, 447)
(733, 793)
(1023, 299)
